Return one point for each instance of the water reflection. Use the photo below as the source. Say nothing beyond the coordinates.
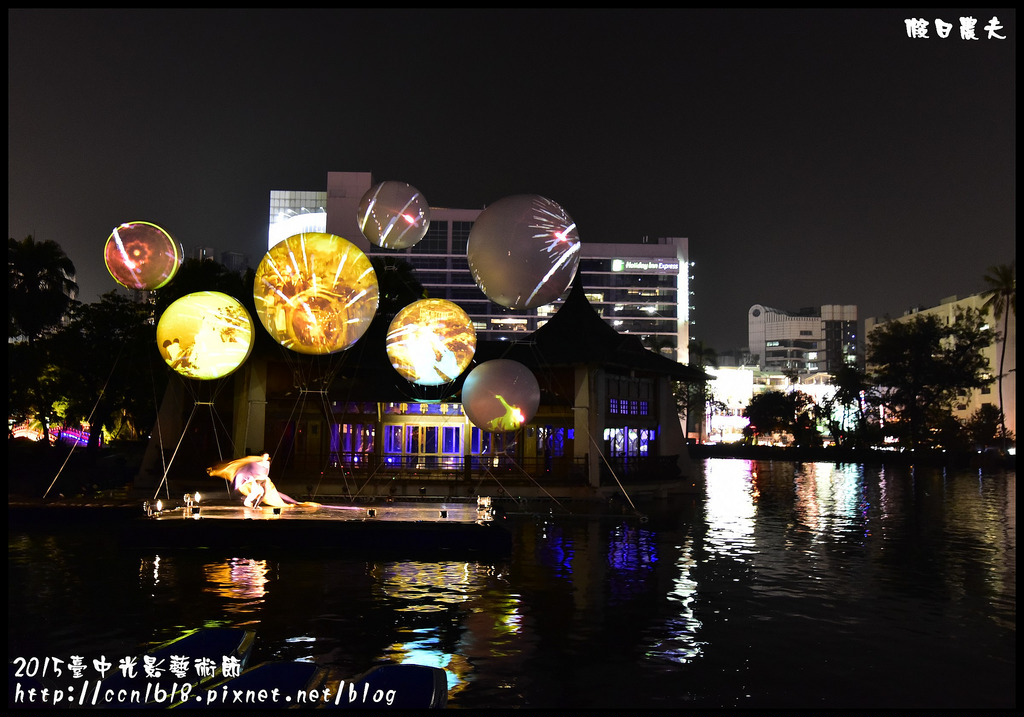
(241, 582)
(678, 637)
(829, 499)
(786, 586)
(420, 586)
(729, 507)
(452, 597)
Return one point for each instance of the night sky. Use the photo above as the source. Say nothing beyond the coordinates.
(811, 157)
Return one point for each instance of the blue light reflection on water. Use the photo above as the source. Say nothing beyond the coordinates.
(790, 585)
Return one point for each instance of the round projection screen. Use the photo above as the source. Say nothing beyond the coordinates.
(315, 293)
(205, 335)
(393, 215)
(141, 255)
(431, 341)
(523, 251)
(500, 395)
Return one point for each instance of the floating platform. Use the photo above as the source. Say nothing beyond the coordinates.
(397, 528)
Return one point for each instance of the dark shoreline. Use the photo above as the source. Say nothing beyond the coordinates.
(943, 459)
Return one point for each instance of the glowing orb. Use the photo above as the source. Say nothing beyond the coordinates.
(500, 395)
(523, 251)
(205, 335)
(315, 293)
(140, 255)
(431, 341)
(393, 215)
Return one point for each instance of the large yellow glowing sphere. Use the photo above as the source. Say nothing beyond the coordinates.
(205, 335)
(316, 293)
(523, 251)
(393, 215)
(500, 395)
(431, 341)
(141, 255)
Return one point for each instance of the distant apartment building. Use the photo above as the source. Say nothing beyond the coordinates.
(808, 341)
(640, 288)
(235, 261)
(203, 253)
(232, 260)
(969, 402)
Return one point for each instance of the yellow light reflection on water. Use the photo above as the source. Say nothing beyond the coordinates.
(241, 581)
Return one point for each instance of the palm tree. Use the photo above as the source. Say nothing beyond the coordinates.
(1001, 298)
(698, 394)
(41, 291)
(41, 287)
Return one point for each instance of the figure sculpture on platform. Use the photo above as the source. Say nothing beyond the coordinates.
(250, 478)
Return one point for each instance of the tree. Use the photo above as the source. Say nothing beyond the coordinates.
(851, 385)
(986, 426)
(777, 412)
(41, 287)
(40, 292)
(919, 365)
(111, 371)
(696, 398)
(203, 275)
(1001, 300)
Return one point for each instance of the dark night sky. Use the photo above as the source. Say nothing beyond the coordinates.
(811, 157)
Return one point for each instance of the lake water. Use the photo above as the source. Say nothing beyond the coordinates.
(789, 586)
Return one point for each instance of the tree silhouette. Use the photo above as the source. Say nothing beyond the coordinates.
(1001, 300)
(851, 384)
(777, 412)
(110, 369)
(41, 287)
(919, 365)
(41, 291)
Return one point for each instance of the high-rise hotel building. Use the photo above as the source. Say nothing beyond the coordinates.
(640, 288)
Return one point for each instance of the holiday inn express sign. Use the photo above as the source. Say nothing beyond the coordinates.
(653, 266)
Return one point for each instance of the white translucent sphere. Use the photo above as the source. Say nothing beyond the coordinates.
(523, 251)
(500, 395)
(393, 215)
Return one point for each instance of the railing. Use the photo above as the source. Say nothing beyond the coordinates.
(363, 467)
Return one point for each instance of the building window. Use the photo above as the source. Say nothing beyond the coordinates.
(629, 443)
(550, 441)
(422, 446)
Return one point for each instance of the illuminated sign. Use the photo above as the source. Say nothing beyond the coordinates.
(652, 266)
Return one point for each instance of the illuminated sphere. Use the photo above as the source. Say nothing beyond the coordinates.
(205, 335)
(315, 293)
(431, 341)
(523, 251)
(500, 395)
(393, 215)
(141, 255)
